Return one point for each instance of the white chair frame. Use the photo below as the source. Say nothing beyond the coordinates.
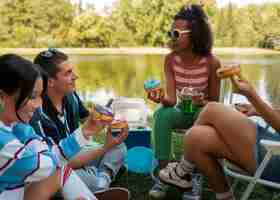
(273, 149)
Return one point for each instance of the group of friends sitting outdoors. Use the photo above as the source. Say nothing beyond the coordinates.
(46, 131)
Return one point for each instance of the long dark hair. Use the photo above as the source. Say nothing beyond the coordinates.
(201, 33)
(18, 75)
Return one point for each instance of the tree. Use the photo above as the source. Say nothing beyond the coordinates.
(89, 30)
(27, 22)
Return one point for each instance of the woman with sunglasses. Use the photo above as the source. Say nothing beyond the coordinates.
(28, 168)
(190, 64)
(231, 135)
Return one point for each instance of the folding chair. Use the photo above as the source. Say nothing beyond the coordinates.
(272, 148)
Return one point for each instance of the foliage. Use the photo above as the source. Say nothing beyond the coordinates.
(26, 22)
(88, 30)
(42, 23)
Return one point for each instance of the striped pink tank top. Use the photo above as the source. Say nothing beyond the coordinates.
(191, 76)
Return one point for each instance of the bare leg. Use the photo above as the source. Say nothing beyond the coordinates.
(43, 189)
(203, 147)
(235, 130)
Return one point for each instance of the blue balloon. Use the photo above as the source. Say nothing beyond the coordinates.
(140, 160)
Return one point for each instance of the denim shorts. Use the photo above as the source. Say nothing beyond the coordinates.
(272, 170)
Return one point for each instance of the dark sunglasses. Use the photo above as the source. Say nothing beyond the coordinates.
(176, 33)
(49, 53)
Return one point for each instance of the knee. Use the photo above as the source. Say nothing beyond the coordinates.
(120, 150)
(211, 109)
(158, 111)
(163, 113)
(193, 140)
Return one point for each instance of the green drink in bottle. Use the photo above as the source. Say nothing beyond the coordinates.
(186, 96)
(187, 105)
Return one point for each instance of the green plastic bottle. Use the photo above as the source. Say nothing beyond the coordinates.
(185, 96)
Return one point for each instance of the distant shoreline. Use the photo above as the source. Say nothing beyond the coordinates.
(137, 51)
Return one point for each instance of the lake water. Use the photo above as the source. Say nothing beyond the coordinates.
(102, 77)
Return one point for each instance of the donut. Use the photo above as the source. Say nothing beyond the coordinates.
(151, 85)
(102, 113)
(153, 88)
(229, 71)
(119, 124)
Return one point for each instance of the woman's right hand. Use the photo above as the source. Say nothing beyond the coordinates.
(155, 95)
(242, 87)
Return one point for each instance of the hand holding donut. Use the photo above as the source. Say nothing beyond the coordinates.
(119, 124)
(154, 92)
(242, 86)
(229, 71)
(111, 140)
(102, 114)
(98, 118)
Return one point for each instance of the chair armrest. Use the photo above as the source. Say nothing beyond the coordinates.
(272, 146)
(233, 167)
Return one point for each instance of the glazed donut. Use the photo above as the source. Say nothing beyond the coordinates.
(119, 124)
(227, 72)
(102, 113)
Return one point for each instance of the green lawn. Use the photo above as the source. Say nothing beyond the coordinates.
(139, 184)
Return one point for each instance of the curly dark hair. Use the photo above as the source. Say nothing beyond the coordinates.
(201, 33)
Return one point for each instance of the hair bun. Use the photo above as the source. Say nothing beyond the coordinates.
(191, 12)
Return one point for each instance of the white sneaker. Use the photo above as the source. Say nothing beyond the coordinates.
(174, 174)
(104, 180)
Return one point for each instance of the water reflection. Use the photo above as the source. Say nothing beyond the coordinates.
(102, 77)
(106, 76)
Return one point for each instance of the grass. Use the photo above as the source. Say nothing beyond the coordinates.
(139, 184)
